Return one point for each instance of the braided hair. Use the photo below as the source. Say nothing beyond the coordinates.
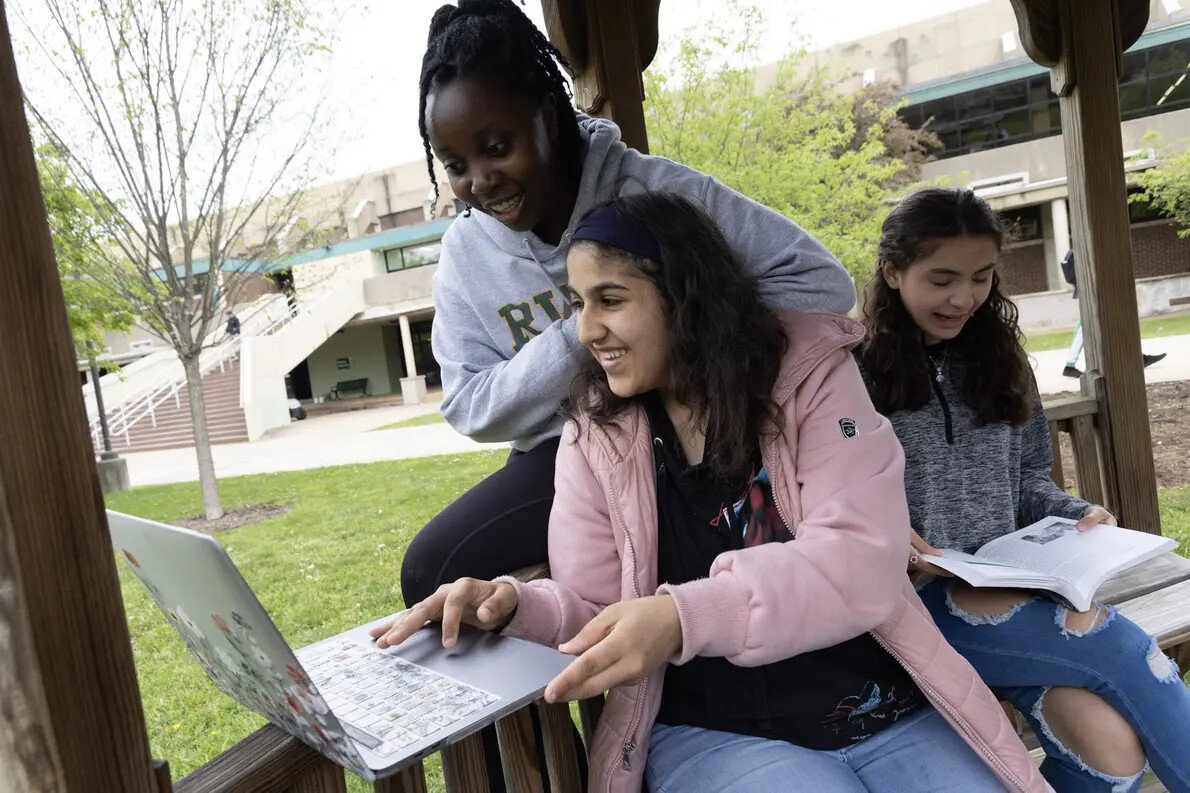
(496, 39)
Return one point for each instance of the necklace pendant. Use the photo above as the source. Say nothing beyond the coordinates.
(939, 378)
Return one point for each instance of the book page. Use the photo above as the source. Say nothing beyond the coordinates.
(1054, 547)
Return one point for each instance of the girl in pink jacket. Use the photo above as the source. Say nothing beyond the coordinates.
(727, 545)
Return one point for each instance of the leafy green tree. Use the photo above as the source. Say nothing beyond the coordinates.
(77, 232)
(785, 136)
(1166, 186)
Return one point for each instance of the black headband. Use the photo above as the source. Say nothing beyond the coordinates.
(606, 225)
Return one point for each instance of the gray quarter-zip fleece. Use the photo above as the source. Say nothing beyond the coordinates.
(968, 484)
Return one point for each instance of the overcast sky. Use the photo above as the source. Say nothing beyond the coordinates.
(378, 58)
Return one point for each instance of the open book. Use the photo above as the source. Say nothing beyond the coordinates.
(1052, 555)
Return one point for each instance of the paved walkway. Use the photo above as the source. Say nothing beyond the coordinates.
(348, 438)
(1048, 365)
(317, 442)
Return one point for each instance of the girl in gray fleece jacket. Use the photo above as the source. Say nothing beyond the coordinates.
(496, 112)
(943, 360)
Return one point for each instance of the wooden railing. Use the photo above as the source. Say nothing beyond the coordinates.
(1076, 417)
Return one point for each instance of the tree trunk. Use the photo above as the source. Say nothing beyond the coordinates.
(202, 441)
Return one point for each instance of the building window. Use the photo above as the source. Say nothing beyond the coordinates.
(1023, 224)
(412, 256)
(1141, 211)
(1155, 80)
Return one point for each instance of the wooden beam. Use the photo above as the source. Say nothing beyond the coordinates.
(1041, 30)
(74, 700)
(1103, 253)
(619, 41)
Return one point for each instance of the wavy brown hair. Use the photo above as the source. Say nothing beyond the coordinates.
(997, 383)
(725, 347)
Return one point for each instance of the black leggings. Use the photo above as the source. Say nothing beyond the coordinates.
(496, 527)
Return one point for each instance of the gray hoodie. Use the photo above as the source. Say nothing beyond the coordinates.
(503, 331)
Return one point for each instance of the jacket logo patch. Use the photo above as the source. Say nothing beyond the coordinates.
(848, 428)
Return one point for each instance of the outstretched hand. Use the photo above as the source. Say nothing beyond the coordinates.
(484, 604)
(623, 644)
(921, 549)
(1094, 516)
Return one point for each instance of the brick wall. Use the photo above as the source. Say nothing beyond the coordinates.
(1022, 269)
(1157, 250)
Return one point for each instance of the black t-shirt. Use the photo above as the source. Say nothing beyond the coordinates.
(826, 699)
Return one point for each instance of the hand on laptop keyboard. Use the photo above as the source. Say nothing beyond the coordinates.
(485, 604)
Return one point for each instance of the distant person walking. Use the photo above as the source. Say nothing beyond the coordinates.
(1076, 344)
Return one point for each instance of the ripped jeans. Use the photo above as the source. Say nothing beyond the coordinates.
(1025, 652)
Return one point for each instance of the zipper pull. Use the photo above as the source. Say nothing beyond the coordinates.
(626, 755)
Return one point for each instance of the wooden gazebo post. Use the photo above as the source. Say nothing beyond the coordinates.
(608, 43)
(70, 710)
(1083, 42)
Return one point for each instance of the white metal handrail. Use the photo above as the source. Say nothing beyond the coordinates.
(130, 411)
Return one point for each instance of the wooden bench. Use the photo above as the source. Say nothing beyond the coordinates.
(350, 386)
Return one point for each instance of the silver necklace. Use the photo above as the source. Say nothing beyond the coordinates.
(938, 365)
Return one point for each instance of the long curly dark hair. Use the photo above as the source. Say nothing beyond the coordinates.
(997, 382)
(494, 39)
(725, 347)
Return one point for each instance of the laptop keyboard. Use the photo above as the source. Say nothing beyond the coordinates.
(384, 702)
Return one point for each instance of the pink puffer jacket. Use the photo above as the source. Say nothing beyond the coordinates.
(838, 479)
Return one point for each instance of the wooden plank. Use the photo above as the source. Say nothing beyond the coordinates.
(161, 776)
(411, 779)
(70, 711)
(1164, 614)
(561, 753)
(518, 752)
(324, 777)
(1057, 471)
(1103, 253)
(463, 766)
(267, 761)
(1086, 459)
(611, 86)
(1069, 407)
(1166, 570)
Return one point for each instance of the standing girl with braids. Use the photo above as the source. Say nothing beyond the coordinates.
(496, 111)
(943, 360)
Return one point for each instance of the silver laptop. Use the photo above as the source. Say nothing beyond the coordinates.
(371, 711)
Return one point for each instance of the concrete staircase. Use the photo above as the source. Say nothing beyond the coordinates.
(173, 428)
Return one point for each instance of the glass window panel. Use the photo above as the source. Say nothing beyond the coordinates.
(1133, 97)
(1168, 90)
(1024, 223)
(1134, 66)
(420, 255)
(950, 140)
(939, 112)
(973, 105)
(392, 260)
(1169, 59)
(1010, 96)
(1016, 123)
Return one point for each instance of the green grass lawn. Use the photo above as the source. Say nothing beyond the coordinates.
(1150, 328)
(331, 563)
(416, 421)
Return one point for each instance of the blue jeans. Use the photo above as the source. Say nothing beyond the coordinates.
(920, 754)
(1023, 653)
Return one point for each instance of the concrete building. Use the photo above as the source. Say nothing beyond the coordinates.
(354, 311)
(965, 76)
